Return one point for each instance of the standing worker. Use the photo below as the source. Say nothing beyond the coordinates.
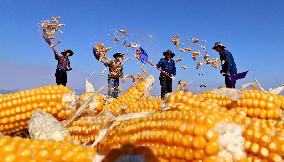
(228, 64)
(166, 64)
(115, 72)
(63, 66)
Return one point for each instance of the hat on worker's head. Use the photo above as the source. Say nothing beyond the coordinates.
(118, 54)
(218, 44)
(67, 51)
(169, 52)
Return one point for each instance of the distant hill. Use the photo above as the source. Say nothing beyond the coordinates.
(3, 91)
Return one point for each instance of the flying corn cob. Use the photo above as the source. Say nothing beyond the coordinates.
(16, 108)
(188, 49)
(215, 63)
(194, 54)
(175, 40)
(183, 67)
(199, 64)
(181, 49)
(15, 149)
(195, 40)
(178, 59)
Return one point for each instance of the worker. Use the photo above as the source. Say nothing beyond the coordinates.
(115, 72)
(166, 64)
(228, 64)
(63, 66)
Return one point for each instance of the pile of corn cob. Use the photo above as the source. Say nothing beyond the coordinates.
(184, 127)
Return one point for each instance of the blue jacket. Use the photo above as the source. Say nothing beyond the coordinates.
(229, 65)
(167, 65)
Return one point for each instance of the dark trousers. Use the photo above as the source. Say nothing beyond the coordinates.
(61, 77)
(229, 83)
(113, 84)
(166, 85)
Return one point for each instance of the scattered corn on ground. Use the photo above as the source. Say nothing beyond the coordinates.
(207, 127)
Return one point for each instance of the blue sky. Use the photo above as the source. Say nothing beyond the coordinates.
(251, 30)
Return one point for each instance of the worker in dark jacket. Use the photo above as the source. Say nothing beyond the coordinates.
(63, 66)
(228, 64)
(115, 72)
(167, 65)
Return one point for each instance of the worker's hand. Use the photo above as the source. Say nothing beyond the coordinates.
(69, 69)
(123, 80)
(226, 74)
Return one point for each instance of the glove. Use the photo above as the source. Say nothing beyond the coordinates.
(69, 69)
(226, 74)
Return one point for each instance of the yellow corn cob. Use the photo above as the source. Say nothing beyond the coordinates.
(259, 104)
(131, 96)
(221, 100)
(16, 108)
(273, 113)
(174, 135)
(263, 143)
(145, 105)
(86, 129)
(282, 101)
(186, 101)
(263, 123)
(259, 99)
(15, 149)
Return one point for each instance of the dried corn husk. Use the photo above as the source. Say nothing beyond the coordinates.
(44, 126)
(233, 94)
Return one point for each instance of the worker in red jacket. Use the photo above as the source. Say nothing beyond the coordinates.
(63, 66)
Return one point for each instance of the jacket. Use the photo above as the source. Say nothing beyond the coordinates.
(61, 66)
(167, 65)
(228, 61)
(115, 69)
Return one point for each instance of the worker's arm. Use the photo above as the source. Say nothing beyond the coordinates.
(56, 55)
(228, 62)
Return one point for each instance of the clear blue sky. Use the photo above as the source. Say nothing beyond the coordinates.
(252, 30)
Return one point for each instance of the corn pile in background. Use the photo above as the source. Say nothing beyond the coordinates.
(208, 127)
(132, 95)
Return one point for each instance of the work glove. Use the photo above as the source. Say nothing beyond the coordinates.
(69, 69)
(226, 74)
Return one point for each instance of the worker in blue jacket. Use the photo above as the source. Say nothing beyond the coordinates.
(228, 64)
(167, 65)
